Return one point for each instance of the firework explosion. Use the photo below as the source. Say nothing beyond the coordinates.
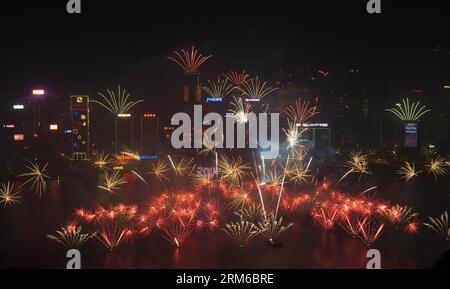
(437, 167)
(301, 111)
(252, 213)
(37, 177)
(298, 174)
(219, 89)
(232, 170)
(176, 215)
(272, 228)
(200, 181)
(7, 195)
(440, 226)
(242, 232)
(403, 217)
(101, 160)
(70, 236)
(408, 171)
(293, 134)
(357, 163)
(114, 226)
(116, 103)
(237, 78)
(190, 62)
(240, 110)
(112, 182)
(160, 170)
(370, 230)
(255, 89)
(407, 111)
(326, 216)
(184, 167)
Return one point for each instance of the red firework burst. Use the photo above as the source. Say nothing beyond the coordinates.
(237, 78)
(191, 61)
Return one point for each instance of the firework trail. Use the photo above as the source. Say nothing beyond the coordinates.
(240, 110)
(139, 177)
(301, 112)
(406, 111)
(114, 227)
(237, 78)
(37, 177)
(282, 187)
(7, 195)
(440, 226)
(437, 167)
(190, 62)
(271, 228)
(71, 236)
(261, 198)
(113, 182)
(219, 89)
(101, 160)
(116, 103)
(232, 170)
(159, 169)
(242, 232)
(408, 171)
(369, 230)
(255, 89)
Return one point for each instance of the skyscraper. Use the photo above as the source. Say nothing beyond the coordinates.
(124, 132)
(79, 107)
(149, 134)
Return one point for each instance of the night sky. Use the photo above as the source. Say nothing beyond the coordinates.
(127, 42)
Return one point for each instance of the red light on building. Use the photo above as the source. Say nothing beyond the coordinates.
(150, 115)
(19, 137)
(9, 126)
(417, 90)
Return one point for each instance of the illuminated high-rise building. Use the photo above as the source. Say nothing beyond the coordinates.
(79, 107)
(37, 103)
(192, 91)
(124, 132)
(149, 134)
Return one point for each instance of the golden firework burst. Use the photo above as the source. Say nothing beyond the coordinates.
(37, 177)
(301, 111)
(113, 182)
(437, 167)
(407, 111)
(116, 103)
(358, 162)
(7, 195)
(408, 171)
(101, 159)
(160, 170)
(242, 232)
(232, 170)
